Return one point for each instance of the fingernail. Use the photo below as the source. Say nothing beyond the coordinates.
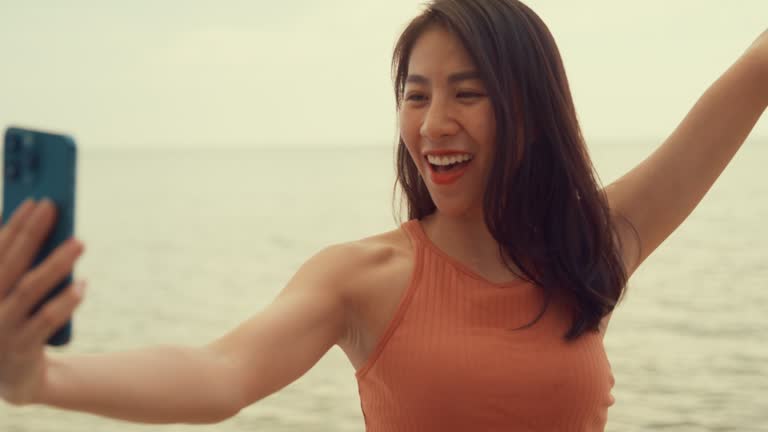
(80, 287)
(76, 242)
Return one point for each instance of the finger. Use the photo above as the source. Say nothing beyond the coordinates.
(25, 244)
(14, 224)
(38, 282)
(8, 233)
(41, 326)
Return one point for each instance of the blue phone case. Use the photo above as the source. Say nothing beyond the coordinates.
(42, 165)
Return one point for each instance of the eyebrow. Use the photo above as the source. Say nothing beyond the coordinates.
(452, 79)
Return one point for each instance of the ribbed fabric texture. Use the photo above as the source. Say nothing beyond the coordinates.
(449, 360)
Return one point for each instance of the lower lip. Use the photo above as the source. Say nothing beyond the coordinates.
(447, 177)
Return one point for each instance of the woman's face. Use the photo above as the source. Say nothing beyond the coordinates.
(445, 108)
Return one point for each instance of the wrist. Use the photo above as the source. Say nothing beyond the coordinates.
(39, 396)
(42, 395)
(27, 390)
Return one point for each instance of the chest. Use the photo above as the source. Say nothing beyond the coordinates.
(495, 364)
(378, 299)
(478, 371)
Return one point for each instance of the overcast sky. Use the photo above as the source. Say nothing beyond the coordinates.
(311, 73)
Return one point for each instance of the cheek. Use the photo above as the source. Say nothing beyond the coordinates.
(409, 131)
(484, 127)
(408, 125)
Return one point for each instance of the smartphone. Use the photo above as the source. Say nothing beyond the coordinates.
(41, 165)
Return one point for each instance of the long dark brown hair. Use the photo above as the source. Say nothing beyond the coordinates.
(542, 205)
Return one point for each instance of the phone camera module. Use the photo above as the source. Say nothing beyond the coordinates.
(15, 143)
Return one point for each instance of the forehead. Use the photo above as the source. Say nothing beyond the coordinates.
(438, 53)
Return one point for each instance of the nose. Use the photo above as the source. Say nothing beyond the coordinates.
(438, 121)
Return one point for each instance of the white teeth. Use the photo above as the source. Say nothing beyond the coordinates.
(448, 160)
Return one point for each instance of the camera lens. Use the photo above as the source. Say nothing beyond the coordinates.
(12, 171)
(33, 161)
(14, 143)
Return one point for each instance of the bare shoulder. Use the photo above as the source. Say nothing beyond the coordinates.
(377, 257)
(367, 262)
(358, 260)
(358, 267)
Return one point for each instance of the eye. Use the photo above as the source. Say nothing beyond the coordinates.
(415, 97)
(469, 95)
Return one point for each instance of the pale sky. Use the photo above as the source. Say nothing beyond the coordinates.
(311, 73)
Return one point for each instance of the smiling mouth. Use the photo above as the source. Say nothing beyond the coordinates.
(448, 168)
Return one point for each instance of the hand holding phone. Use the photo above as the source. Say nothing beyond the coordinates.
(23, 337)
(40, 165)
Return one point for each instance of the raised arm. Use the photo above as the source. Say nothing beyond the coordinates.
(658, 194)
(162, 384)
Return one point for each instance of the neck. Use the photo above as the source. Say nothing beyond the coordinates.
(465, 238)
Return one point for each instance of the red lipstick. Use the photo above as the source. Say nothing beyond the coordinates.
(446, 177)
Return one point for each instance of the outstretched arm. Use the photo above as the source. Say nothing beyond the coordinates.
(208, 384)
(657, 195)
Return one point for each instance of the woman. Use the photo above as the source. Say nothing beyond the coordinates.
(486, 310)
